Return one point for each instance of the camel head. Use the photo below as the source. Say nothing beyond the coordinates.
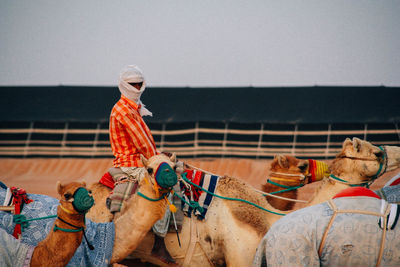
(289, 167)
(161, 170)
(75, 197)
(359, 161)
(393, 157)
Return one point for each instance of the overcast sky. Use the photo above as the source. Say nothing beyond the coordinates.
(201, 42)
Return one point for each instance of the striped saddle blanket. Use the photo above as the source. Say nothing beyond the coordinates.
(204, 180)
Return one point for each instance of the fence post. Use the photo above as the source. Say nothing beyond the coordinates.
(294, 140)
(328, 141)
(28, 139)
(260, 140)
(64, 140)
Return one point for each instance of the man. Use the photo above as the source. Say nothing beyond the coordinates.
(130, 137)
(355, 228)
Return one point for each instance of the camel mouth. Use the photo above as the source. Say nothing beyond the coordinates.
(165, 176)
(82, 200)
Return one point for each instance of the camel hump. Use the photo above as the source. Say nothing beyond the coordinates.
(244, 213)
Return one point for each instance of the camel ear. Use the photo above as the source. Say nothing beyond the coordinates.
(347, 142)
(357, 144)
(144, 160)
(83, 183)
(173, 157)
(283, 162)
(60, 187)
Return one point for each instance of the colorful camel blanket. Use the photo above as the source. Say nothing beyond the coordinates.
(100, 235)
(354, 239)
(204, 180)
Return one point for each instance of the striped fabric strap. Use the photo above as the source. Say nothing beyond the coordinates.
(318, 170)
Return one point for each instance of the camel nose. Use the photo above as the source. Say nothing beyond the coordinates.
(303, 167)
(379, 155)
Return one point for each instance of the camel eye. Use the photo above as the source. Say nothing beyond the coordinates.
(67, 196)
(150, 170)
(303, 167)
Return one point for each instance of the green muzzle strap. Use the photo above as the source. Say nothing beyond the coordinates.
(83, 201)
(165, 176)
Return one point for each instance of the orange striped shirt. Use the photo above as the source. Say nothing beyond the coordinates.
(129, 135)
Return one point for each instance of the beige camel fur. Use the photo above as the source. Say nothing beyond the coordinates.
(358, 162)
(58, 247)
(393, 157)
(225, 238)
(138, 214)
(229, 235)
(281, 165)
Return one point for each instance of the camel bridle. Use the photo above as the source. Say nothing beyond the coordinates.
(156, 187)
(382, 169)
(290, 177)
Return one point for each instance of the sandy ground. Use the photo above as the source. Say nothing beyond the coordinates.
(39, 176)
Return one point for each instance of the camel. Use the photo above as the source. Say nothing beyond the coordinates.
(355, 228)
(60, 244)
(359, 163)
(287, 174)
(205, 243)
(130, 226)
(138, 214)
(329, 187)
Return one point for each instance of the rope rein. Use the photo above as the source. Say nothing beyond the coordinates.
(196, 205)
(287, 188)
(227, 198)
(78, 229)
(284, 198)
(258, 191)
(381, 170)
(151, 199)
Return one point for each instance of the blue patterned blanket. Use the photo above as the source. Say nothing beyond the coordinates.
(100, 235)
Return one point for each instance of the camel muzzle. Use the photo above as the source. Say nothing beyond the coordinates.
(165, 176)
(83, 200)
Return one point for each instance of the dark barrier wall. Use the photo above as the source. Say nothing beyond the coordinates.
(240, 104)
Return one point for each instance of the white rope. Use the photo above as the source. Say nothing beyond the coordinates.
(258, 191)
(196, 168)
(284, 198)
(300, 175)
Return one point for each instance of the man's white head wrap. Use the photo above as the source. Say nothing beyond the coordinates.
(132, 74)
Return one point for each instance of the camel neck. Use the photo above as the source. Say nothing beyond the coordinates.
(75, 218)
(132, 225)
(58, 247)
